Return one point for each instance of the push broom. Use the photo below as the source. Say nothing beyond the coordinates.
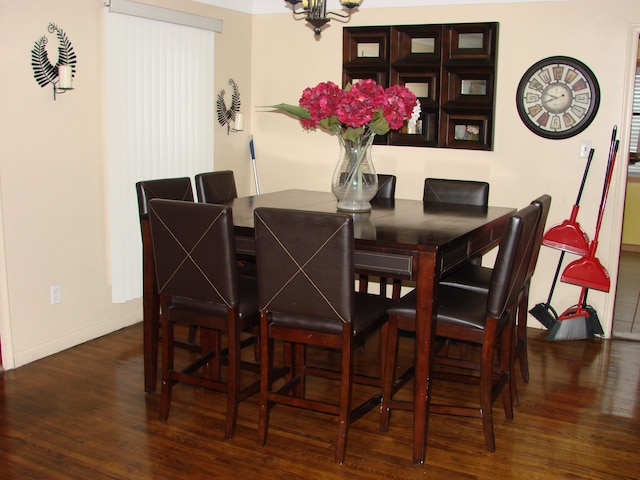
(582, 321)
(568, 237)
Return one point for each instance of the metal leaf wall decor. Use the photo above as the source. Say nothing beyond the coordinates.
(226, 115)
(43, 71)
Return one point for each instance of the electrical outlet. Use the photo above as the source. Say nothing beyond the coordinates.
(585, 147)
(56, 296)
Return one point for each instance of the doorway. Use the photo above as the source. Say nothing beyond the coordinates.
(626, 316)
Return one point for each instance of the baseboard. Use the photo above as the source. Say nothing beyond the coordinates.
(627, 247)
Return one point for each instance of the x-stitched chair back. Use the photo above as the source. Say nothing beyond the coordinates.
(464, 192)
(307, 298)
(194, 251)
(386, 186)
(216, 187)
(199, 284)
(174, 189)
(308, 277)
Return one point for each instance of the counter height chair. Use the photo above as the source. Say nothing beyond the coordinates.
(478, 318)
(199, 284)
(478, 278)
(307, 298)
(173, 189)
(216, 187)
(386, 191)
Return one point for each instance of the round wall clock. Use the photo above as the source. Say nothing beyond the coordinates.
(558, 97)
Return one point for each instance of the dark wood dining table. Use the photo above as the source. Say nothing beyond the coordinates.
(404, 239)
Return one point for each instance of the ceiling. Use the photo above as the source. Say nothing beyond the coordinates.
(280, 6)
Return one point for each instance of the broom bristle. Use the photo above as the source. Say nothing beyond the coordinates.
(545, 314)
(575, 328)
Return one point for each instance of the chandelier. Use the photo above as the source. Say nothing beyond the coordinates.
(316, 13)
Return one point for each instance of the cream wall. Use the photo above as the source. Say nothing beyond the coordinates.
(287, 58)
(52, 175)
(52, 195)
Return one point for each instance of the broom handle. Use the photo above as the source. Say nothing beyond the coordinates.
(605, 191)
(555, 277)
(584, 175)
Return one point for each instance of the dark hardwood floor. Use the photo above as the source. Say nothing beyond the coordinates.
(82, 414)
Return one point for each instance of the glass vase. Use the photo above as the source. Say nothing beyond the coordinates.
(355, 181)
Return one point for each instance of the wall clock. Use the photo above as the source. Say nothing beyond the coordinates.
(558, 97)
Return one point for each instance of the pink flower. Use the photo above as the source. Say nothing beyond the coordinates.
(322, 102)
(360, 103)
(366, 105)
(399, 104)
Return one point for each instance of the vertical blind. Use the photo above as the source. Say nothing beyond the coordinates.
(635, 119)
(159, 124)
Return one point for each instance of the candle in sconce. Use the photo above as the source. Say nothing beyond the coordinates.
(65, 76)
(239, 122)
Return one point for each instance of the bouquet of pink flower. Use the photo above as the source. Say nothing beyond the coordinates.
(364, 107)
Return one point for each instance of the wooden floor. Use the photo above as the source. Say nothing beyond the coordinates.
(82, 414)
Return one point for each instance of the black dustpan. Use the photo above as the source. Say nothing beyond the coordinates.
(544, 312)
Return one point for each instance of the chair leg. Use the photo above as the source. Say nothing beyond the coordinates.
(506, 368)
(486, 386)
(363, 283)
(233, 386)
(266, 373)
(344, 414)
(167, 367)
(521, 335)
(151, 337)
(389, 351)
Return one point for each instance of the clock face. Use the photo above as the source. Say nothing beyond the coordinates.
(558, 97)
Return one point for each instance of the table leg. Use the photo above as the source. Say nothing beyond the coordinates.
(427, 279)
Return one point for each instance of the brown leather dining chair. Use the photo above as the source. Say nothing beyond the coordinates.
(386, 191)
(170, 188)
(307, 298)
(468, 316)
(461, 192)
(216, 187)
(199, 284)
(478, 278)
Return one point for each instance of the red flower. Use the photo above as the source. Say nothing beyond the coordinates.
(398, 106)
(322, 102)
(366, 105)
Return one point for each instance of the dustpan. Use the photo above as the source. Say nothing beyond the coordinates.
(588, 271)
(569, 236)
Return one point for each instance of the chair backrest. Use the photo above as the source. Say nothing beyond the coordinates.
(465, 192)
(386, 186)
(194, 250)
(512, 262)
(544, 203)
(216, 187)
(305, 267)
(168, 188)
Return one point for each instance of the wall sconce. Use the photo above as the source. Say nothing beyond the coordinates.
(61, 75)
(226, 116)
(316, 12)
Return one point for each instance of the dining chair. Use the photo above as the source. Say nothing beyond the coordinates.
(463, 192)
(307, 298)
(216, 187)
(386, 191)
(174, 189)
(199, 284)
(478, 278)
(469, 316)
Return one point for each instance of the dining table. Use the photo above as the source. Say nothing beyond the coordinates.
(398, 238)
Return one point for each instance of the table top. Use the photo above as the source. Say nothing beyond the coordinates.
(391, 224)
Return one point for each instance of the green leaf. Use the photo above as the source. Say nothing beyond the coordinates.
(296, 110)
(331, 124)
(378, 123)
(352, 133)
